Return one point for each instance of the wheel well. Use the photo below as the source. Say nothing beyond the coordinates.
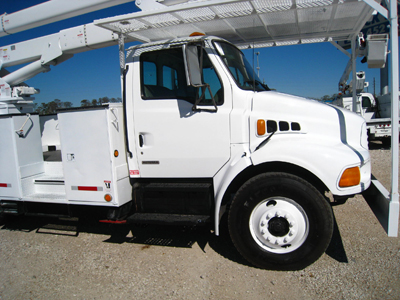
(252, 171)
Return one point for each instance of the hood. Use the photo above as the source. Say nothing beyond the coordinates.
(320, 120)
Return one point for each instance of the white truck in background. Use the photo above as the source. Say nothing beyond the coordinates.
(376, 113)
(197, 135)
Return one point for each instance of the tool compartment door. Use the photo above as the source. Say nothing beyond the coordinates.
(90, 168)
(20, 154)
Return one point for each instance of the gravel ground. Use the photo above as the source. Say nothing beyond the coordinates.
(75, 259)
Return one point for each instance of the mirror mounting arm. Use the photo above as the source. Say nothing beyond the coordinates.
(204, 87)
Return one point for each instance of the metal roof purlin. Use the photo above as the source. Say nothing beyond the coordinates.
(244, 22)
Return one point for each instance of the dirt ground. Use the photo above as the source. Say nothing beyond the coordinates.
(76, 259)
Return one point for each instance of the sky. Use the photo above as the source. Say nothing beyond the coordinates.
(309, 70)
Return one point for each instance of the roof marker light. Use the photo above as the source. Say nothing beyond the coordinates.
(196, 34)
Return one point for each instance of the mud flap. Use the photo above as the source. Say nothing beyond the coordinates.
(385, 209)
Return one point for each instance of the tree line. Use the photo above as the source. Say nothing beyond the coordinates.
(52, 106)
(326, 98)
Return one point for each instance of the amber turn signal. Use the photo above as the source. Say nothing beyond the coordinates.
(350, 177)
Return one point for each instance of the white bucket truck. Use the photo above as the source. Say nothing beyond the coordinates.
(197, 135)
(222, 141)
(376, 112)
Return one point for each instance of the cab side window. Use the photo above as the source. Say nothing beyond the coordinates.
(366, 103)
(163, 77)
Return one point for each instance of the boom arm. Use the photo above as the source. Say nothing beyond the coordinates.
(50, 50)
(49, 12)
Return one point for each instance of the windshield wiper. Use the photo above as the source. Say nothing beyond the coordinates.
(258, 83)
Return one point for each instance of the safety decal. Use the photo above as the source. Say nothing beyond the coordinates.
(107, 184)
(133, 172)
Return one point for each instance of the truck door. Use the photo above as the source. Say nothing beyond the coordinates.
(367, 110)
(174, 140)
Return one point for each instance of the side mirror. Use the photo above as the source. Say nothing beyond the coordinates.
(193, 66)
(193, 59)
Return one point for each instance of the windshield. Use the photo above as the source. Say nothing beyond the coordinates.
(239, 67)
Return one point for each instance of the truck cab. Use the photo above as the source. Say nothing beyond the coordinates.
(366, 105)
(199, 120)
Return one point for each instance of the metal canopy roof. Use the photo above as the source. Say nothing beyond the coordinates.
(263, 23)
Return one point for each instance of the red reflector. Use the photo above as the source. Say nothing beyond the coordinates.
(87, 188)
(4, 185)
(113, 222)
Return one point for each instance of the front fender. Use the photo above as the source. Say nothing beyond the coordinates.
(325, 159)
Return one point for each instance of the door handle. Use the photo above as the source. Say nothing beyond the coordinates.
(141, 140)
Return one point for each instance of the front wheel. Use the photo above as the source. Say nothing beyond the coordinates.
(387, 141)
(280, 221)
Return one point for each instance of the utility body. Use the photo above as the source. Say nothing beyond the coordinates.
(196, 136)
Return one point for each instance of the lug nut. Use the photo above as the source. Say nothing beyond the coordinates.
(278, 213)
(269, 216)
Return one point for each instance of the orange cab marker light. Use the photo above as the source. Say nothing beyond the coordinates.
(350, 177)
(116, 153)
(261, 127)
(196, 33)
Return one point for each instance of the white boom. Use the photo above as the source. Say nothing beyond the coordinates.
(51, 49)
(50, 12)
(54, 48)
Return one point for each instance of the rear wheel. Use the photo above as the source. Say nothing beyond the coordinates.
(280, 221)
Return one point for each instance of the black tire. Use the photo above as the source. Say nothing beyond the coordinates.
(387, 141)
(279, 221)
